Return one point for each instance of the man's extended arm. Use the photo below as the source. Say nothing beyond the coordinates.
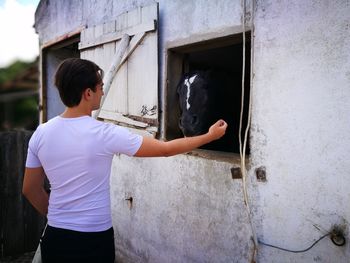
(154, 148)
(33, 189)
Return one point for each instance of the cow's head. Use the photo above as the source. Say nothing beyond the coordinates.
(195, 103)
(207, 96)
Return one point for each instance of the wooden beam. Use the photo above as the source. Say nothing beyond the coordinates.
(63, 37)
(106, 38)
(115, 66)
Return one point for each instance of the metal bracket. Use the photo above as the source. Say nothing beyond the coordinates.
(261, 174)
(236, 173)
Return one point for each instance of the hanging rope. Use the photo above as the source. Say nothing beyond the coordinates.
(242, 147)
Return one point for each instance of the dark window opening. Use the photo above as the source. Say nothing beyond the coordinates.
(223, 59)
(52, 57)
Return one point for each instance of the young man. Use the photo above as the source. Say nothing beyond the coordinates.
(75, 152)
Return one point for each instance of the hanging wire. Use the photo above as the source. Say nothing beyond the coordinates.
(295, 251)
(242, 148)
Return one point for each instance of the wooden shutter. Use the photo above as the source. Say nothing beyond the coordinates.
(132, 99)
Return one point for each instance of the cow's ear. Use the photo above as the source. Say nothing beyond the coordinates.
(178, 88)
(208, 74)
(209, 79)
(180, 85)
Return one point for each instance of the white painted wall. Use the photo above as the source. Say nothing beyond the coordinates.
(187, 208)
(301, 124)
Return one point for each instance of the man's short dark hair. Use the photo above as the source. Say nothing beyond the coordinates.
(74, 76)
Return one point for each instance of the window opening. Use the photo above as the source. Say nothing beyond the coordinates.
(52, 57)
(207, 76)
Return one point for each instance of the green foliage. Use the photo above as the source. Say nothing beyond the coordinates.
(26, 113)
(13, 70)
(21, 112)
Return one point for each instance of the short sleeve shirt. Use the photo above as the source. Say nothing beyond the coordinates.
(76, 155)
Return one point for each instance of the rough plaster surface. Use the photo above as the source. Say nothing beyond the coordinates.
(188, 209)
(300, 126)
(197, 17)
(184, 209)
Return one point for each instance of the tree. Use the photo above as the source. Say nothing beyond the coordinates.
(19, 96)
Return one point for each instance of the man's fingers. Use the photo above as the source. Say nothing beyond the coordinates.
(222, 123)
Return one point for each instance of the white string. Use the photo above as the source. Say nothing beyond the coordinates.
(242, 150)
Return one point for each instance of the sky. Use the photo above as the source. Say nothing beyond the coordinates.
(18, 37)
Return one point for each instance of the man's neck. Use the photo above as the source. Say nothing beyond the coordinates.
(75, 112)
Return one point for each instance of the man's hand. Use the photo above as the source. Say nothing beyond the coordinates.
(218, 129)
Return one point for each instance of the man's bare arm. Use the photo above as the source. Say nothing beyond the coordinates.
(33, 189)
(154, 148)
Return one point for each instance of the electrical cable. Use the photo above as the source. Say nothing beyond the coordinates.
(242, 149)
(295, 251)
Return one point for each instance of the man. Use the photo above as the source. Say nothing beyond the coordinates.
(75, 152)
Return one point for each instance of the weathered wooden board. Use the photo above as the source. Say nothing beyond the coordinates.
(134, 90)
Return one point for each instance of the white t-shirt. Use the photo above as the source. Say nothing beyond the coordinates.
(76, 155)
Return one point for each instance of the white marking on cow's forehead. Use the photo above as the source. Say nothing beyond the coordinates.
(192, 79)
(188, 83)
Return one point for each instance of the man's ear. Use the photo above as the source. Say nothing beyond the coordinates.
(87, 94)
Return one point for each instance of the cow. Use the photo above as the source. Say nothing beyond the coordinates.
(206, 96)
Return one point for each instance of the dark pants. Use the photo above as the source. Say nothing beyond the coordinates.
(62, 245)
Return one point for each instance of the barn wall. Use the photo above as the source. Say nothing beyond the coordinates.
(187, 208)
(184, 209)
(301, 126)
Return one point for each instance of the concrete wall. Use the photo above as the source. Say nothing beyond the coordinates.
(187, 208)
(184, 209)
(301, 124)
